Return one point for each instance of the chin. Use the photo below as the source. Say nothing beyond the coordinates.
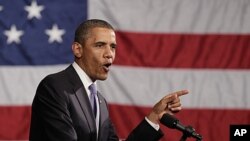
(102, 78)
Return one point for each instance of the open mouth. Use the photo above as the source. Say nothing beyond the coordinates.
(106, 66)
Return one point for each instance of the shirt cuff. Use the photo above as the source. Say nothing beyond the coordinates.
(155, 126)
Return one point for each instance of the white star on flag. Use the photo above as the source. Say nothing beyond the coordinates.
(13, 35)
(1, 7)
(34, 10)
(55, 34)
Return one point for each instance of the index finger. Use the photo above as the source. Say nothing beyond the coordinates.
(180, 93)
(174, 95)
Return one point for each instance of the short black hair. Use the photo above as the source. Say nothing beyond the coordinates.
(84, 28)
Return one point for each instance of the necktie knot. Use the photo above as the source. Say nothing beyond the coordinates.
(92, 89)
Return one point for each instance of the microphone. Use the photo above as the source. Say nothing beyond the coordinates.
(172, 122)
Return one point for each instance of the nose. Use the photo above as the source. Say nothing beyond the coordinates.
(109, 52)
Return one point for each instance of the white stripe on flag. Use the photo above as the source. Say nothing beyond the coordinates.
(141, 86)
(185, 16)
(208, 88)
(19, 83)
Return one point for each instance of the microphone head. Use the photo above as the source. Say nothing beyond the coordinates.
(169, 121)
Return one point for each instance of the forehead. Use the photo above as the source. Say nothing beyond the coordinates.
(100, 32)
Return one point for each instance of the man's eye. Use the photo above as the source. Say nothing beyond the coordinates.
(99, 45)
(113, 46)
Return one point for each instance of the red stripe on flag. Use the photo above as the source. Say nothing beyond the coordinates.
(14, 122)
(183, 50)
(212, 124)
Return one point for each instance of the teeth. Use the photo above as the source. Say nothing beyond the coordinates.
(106, 68)
(107, 65)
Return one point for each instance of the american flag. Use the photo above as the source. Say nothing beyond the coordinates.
(35, 36)
(38, 32)
(163, 46)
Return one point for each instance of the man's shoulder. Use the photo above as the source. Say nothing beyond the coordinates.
(58, 77)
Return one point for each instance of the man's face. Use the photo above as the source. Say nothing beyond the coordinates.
(98, 53)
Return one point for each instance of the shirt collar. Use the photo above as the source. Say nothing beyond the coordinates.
(83, 76)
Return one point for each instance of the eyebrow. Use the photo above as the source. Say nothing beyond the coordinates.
(104, 43)
(100, 42)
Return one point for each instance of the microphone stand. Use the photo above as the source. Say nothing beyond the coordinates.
(189, 132)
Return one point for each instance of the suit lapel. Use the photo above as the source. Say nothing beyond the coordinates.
(103, 110)
(82, 98)
(86, 107)
(104, 115)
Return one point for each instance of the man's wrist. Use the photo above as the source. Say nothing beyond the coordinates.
(156, 126)
(153, 118)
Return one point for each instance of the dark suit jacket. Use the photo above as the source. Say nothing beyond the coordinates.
(61, 111)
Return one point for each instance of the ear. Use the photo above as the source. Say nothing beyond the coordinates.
(77, 49)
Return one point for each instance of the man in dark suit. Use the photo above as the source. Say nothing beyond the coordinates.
(62, 110)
